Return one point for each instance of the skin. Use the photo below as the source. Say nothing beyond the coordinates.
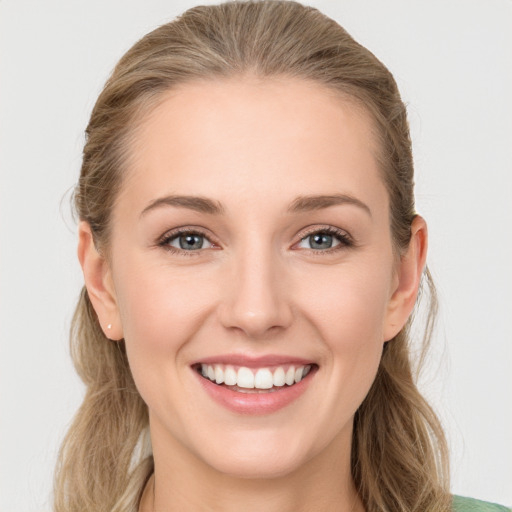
(256, 287)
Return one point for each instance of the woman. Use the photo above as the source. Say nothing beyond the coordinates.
(252, 258)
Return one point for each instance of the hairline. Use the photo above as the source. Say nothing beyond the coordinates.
(147, 104)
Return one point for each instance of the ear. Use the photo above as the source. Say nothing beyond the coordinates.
(407, 279)
(99, 283)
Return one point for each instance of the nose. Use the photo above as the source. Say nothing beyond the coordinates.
(256, 301)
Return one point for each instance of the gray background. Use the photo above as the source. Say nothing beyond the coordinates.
(452, 60)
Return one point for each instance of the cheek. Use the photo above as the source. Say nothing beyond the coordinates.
(163, 309)
(156, 302)
(350, 305)
(160, 312)
(350, 313)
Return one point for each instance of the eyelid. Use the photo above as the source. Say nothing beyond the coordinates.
(332, 230)
(324, 229)
(163, 241)
(345, 239)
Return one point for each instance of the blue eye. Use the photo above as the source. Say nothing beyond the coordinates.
(322, 241)
(325, 239)
(186, 241)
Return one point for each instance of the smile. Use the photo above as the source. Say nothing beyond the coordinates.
(244, 379)
(254, 386)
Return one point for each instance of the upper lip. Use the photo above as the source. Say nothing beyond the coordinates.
(254, 361)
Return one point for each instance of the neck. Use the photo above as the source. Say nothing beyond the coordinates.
(323, 484)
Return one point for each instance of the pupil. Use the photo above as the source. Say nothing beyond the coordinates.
(191, 242)
(321, 241)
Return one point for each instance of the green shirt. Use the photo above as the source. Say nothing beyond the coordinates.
(461, 504)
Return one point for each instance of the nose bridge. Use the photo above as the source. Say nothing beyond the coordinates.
(256, 299)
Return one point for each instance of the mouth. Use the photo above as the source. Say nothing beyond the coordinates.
(244, 379)
(254, 386)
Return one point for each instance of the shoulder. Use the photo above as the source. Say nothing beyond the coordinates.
(461, 504)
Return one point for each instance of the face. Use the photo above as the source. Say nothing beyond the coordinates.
(251, 247)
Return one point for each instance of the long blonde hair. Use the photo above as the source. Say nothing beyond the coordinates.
(399, 455)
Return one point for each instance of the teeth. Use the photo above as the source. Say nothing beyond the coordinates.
(230, 376)
(245, 378)
(290, 376)
(262, 378)
(278, 378)
(219, 374)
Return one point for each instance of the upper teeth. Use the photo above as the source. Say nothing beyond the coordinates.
(261, 378)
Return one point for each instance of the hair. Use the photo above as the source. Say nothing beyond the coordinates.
(399, 457)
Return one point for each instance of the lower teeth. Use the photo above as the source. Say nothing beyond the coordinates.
(252, 390)
(249, 390)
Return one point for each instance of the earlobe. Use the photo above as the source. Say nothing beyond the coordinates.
(99, 284)
(408, 278)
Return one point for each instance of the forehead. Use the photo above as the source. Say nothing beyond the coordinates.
(254, 140)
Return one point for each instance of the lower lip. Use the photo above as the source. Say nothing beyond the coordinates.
(255, 403)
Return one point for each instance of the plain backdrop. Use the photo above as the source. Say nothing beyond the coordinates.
(453, 63)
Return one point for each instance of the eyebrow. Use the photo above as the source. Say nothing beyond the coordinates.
(310, 203)
(196, 203)
(298, 205)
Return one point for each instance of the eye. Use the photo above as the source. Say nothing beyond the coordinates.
(325, 239)
(189, 241)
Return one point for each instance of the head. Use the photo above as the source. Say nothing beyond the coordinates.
(321, 116)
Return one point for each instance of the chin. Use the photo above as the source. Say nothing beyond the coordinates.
(257, 468)
(258, 457)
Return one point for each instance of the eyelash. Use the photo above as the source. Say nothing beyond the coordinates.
(344, 239)
(342, 236)
(169, 236)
